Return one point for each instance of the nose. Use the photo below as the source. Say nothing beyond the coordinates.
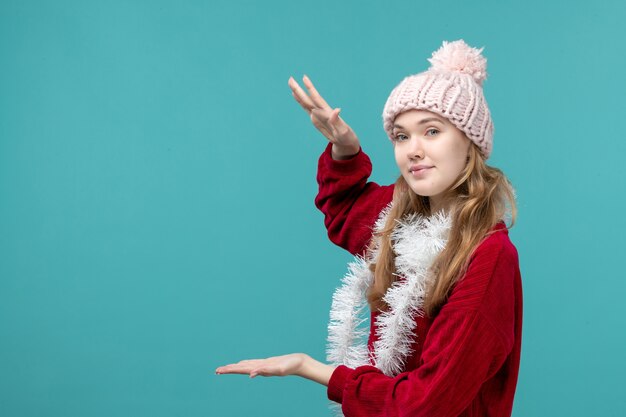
(415, 150)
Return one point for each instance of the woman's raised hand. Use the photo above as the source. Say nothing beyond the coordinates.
(326, 119)
(275, 366)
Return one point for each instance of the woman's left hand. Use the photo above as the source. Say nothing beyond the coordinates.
(275, 366)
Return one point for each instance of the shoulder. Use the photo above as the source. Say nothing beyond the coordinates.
(495, 245)
(491, 285)
(492, 270)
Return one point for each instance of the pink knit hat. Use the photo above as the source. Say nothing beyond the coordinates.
(451, 87)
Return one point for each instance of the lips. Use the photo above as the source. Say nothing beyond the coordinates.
(419, 171)
(418, 168)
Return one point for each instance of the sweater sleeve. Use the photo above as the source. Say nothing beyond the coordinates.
(349, 202)
(468, 342)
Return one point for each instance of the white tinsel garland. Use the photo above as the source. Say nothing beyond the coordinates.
(416, 240)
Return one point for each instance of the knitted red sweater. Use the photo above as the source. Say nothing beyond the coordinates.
(466, 358)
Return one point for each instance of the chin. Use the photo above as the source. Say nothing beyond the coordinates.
(422, 191)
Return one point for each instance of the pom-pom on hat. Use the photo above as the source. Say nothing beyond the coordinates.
(452, 88)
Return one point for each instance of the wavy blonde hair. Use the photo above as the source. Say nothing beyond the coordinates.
(480, 197)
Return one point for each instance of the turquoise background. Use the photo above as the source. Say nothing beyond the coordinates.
(157, 182)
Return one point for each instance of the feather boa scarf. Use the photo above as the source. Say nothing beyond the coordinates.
(417, 240)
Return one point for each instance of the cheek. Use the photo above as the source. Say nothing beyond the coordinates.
(458, 155)
(396, 155)
(452, 163)
(458, 165)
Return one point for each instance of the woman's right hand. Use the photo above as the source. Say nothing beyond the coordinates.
(326, 119)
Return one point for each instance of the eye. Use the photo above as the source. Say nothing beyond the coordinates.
(400, 137)
(431, 130)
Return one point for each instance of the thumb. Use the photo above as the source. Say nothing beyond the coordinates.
(334, 116)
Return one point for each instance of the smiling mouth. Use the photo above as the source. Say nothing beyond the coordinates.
(418, 171)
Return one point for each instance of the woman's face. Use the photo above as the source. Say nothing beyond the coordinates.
(430, 151)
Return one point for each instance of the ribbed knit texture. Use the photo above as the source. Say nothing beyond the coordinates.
(466, 359)
(452, 88)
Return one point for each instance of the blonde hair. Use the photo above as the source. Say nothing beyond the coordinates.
(481, 194)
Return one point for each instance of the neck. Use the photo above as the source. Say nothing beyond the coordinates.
(439, 203)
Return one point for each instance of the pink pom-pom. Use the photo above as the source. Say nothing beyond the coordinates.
(460, 57)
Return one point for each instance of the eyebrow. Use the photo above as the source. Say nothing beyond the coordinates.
(421, 122)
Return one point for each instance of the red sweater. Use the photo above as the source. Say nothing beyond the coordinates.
(466, 358)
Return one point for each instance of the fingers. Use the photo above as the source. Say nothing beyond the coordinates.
(234, 369)
(241, 367)
(304, 105)
(252, 369)
(300, 96)
(315, 96)
(307, 101)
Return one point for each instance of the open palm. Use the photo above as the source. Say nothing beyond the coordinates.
(325, 118)
(275, 366)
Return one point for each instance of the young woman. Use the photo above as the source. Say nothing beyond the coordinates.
(433, 259)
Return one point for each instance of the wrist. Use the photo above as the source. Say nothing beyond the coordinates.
(315, 370)
(341, 152)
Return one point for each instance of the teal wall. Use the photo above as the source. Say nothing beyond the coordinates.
(157, 182)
